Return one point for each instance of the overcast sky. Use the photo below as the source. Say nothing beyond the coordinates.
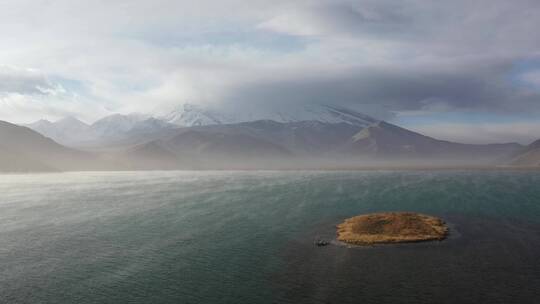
(461, 70)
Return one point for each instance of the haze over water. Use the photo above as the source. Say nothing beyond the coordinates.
(247, 237)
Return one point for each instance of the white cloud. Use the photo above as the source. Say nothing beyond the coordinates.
(27, 95)
(15, 107)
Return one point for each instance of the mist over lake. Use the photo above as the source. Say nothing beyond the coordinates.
(247, 237)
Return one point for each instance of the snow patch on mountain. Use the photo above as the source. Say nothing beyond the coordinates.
(72, 132)
(189, 115)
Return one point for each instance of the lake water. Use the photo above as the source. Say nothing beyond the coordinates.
(247, 237)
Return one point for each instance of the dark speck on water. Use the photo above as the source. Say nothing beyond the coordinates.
(253, 237)
(322, 243)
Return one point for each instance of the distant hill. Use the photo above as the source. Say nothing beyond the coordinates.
(306, 144)
(22, 149)
(529, 156)
(193, 148)
(386, 141)
(14, 161)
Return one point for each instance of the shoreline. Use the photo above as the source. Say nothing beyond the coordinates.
(329, 169)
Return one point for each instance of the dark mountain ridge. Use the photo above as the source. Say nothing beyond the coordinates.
(22, 149)
(307, 144)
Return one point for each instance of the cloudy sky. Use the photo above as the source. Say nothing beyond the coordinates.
(461, 70)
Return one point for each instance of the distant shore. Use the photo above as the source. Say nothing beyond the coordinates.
(349, 168)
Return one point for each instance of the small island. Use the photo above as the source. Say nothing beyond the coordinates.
(391, 227)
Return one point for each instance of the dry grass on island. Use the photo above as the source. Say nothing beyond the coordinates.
(391, 227)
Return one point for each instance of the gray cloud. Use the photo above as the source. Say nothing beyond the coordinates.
(460, 54)
(343, 19)
(445, 27)
(394, 89)
(406, 55)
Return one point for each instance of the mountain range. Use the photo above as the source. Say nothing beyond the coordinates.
(73, 132)
(192, 137)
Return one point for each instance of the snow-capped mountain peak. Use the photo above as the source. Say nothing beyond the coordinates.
(194, 115)
(71, 131)
(197, 115)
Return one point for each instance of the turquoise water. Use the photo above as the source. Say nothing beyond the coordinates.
(247, 237)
